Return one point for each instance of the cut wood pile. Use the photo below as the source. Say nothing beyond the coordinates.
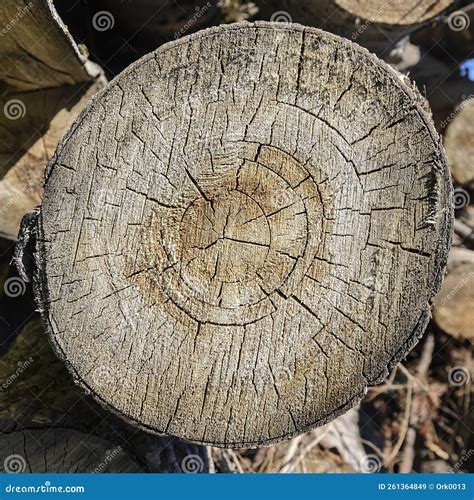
(252, 251)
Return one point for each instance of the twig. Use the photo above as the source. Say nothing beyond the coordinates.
(405, 426)
(291, 466)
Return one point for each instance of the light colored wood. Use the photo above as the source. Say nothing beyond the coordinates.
(453, 308)
(37, 51)
(380, 25)
(395, 12)
(61, 450)
(29, 141)
(459, 144)
(242, 233)
(37, 392)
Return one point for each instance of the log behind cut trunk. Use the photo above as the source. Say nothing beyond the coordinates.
(459, 144)
(37, 51)
(63, 451)
(376, 24)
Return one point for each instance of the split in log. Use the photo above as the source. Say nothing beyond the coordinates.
(377, 25)
(459, 144)
(243, 242)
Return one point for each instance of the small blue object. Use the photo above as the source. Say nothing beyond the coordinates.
(467, 69)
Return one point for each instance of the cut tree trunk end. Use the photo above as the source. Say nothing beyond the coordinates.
(459, 144)
(231, 249)
(453, 307)
(378, 25)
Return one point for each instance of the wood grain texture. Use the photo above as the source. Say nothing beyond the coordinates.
(453, 307)
(379, 25)
(459, 144)
(37, 392)
(61, 450)
(395, 12)
(37, 51)
(29, 141)
(242, 233)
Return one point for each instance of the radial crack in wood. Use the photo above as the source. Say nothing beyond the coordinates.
(242, 233)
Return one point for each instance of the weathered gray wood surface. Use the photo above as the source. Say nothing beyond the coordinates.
(242, 233)
(459, 144)
(61, 450)
(37, 393)
(376, 24)
(36, 48)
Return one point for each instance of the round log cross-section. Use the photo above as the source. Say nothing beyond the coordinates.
(459, 144)
(242, 233)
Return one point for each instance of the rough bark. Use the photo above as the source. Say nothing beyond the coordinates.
(37, 50)
(231, 248)
(459, 144)
(377, 25)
